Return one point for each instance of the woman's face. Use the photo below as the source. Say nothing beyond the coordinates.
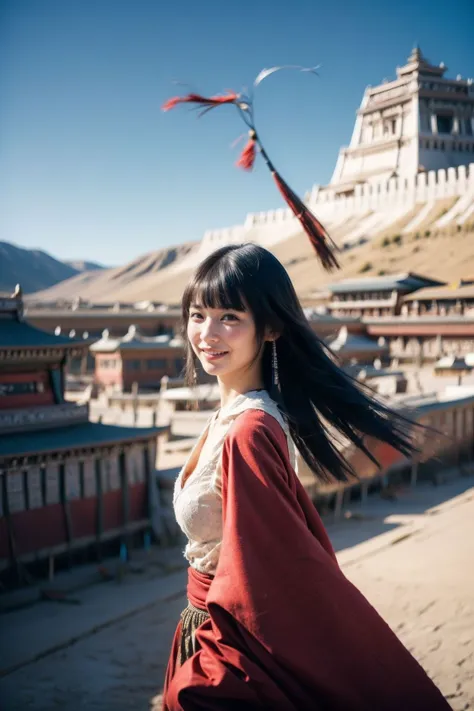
(224, 340)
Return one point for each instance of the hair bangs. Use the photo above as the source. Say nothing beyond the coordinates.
(220, 286)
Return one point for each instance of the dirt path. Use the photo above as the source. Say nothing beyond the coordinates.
(423, 586)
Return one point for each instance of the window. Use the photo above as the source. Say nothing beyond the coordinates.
(444, 123)
(109, 363)
(394, 126)
(156, 363)
(468, 127)
(133, 365)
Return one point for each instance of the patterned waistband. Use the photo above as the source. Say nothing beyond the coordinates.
(191, 618)
(195, 611)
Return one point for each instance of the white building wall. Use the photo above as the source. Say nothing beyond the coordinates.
(394, 133)
(388, 200)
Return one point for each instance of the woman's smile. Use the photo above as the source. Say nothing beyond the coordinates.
(213, 355)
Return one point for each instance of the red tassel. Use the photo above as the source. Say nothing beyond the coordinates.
(211, 101)
(318, 236)
(248, 155)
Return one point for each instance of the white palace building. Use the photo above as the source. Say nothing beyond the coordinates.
(412, 146)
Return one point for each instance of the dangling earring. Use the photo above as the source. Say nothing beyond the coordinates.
(276, 377)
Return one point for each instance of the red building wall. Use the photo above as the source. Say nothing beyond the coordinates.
(143, 366)
(28, 389)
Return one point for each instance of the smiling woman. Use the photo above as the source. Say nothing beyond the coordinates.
(225, 342)
(271, 621)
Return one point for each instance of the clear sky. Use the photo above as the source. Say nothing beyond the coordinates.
(90, 166)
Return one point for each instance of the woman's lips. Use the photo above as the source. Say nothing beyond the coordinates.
(214, 355)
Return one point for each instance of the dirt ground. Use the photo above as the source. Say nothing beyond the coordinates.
(422, 582)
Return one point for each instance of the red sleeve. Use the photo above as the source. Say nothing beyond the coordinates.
(288, 631)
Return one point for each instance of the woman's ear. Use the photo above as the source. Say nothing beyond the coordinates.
(271, 335)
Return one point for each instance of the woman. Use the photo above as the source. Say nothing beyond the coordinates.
(272, 623)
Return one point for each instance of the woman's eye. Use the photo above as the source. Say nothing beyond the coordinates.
(232, 317)
(195, 314)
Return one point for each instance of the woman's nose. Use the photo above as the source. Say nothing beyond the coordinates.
(208, 330)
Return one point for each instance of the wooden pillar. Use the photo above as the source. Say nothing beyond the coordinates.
(8, 518)
(459, 434)
(122, 460)
(150, 480)
(66, 510)
(100, 508)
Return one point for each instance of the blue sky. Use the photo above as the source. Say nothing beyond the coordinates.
(90, 166)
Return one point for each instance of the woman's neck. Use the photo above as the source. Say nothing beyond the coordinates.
(229, 392)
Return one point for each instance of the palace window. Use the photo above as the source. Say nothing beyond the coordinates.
(133, 364)
(109, 363)
(444, 123)
(156, 363)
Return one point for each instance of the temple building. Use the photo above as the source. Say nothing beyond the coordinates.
(66, 483)
(409, 167)
(358, 349)
(450, 300)
(419, 122)
(78, 318)
(135, 358)
(375, 296)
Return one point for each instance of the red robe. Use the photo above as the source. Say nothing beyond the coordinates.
(287, 630)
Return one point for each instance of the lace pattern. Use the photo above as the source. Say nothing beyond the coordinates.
(198, 502)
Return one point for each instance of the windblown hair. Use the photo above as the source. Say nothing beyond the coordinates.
(317, 397)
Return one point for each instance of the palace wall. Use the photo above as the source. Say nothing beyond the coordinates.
(274, 225)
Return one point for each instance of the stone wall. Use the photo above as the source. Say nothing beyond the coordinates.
(388, 198)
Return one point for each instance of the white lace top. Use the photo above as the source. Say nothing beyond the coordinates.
(198, 503)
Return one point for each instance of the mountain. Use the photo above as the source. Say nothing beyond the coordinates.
(429, 238)
(33, 269)
(126, 283)
(81, 265)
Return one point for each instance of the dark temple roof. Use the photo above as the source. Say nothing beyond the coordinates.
(83, 435)
(395, 282)
(19, 334)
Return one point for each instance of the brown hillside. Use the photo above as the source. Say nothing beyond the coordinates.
(119, 283)
(446, 254)
(447, 257)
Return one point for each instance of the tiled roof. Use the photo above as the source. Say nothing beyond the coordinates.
(19, 334)
(347, 342)
(447, 293)
(87, 434)
(401, 282)
(134, 340)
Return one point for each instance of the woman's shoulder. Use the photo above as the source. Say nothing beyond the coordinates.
(254, 425)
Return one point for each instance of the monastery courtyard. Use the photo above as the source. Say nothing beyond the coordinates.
(412, 557)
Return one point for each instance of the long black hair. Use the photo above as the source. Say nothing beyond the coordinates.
(318, 398)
